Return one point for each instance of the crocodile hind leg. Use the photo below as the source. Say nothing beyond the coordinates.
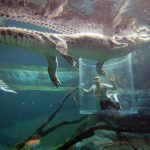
(52, 68)
(99, 69)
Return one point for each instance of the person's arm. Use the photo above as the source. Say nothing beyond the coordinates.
(88, 90)
(110, 87)
(114, 85)
(112, 79)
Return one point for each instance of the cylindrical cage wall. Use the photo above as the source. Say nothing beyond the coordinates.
(121, 68)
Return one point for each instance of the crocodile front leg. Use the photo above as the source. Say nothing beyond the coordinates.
(99, 69)
(52, 68)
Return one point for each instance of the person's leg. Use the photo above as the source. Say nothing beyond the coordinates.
(104, 104)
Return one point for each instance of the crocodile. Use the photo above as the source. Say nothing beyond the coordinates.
(21, 11)
(81, 45)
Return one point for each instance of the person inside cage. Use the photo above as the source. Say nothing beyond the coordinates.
(99, 89)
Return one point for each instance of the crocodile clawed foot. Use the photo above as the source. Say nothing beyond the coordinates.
(102, 73)
(55, 81)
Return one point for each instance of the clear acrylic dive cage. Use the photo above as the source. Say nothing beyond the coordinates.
(121, 68)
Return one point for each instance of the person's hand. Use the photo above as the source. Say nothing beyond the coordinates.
(113, 78)
(80, 88)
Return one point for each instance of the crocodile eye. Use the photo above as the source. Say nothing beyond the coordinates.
(117, 37)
